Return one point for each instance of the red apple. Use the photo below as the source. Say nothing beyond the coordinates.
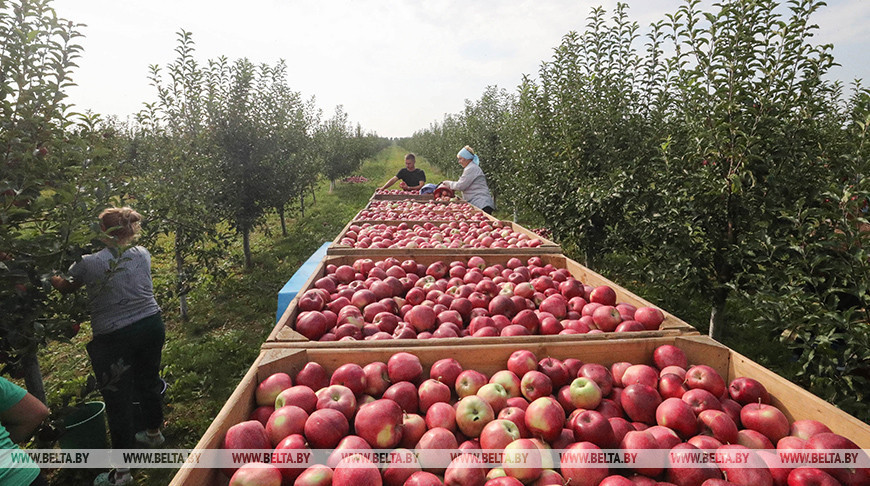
(350, 375)
(285, 421)
(402, 464)
(766, 419)
(642, 440)
(313, 376)
(522, 460)
(854, 476)
(810, 476)
(356, 470)
(421, 317)
(743, 466)
(603, 294)
(262, 413)
(640, 403)
(535, 384)
(404, 367)
(677, 415)
(684, 469)
(337, 397)
(377, 378)
(650, 317)
(405, 394)
(640, 373)
(719, 425)
(433, 449)
(347, 446)
(256, 474)
(495, 395)
(472, 415)
(469, 382)
(671, 386)
(592, 426)
(316, 475)
(700, 400)
(545, 418)
(746, 390)
(325, 428)
(521, 361)
(705, 377)
(432, 391)
(413, 427)
(442, 415)
(606, 318)
(423, 478)
(245, 435)
(669, 355)
(498, 434)
(576, 469)
(446, 371)
(465, 470)
(311, 324)
(380, 423)
(807, 428)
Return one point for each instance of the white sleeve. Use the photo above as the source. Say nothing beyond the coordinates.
(465, 179)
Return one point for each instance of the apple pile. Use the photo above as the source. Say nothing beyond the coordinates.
(408, 300)
(409, 210)
(547, 406)
(355, 180)
(464, 234)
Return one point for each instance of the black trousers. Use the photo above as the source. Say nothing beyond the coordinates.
(127, 366)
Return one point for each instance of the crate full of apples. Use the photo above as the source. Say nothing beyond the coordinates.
(439, 297)
(590, 414)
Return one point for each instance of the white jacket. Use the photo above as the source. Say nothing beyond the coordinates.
(473, 185)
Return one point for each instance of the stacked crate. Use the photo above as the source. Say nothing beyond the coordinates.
(286, 350)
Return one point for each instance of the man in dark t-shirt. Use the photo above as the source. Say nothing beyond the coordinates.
(412, 178)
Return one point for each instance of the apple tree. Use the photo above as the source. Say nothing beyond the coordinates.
(174, 158)
(55, 178)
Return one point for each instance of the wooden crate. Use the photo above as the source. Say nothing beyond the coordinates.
(284, 333)
(548, 247)
(401, 197)
(793, 400)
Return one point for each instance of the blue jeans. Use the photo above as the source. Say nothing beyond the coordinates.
(127, 366)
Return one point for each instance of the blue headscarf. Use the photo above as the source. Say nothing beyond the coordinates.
(466, 154)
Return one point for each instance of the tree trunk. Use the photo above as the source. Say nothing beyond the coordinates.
(313, 196)
(302, 204)
(179, 275)
(246, 244)
(717, 313)
(283, 221)
(33, 376)
(331, 185)
(515, 214)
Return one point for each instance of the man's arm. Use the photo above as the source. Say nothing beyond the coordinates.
(23, 418)
(390, 182)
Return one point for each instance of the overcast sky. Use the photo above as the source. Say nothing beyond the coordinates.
(396, 66)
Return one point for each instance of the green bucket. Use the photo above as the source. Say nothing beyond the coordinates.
(85, 428)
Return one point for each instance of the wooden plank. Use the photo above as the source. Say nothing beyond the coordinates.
(401, 197)
(283, 332)
(531, 234)
(397, 252)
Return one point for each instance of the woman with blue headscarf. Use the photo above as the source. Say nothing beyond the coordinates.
(472, 182)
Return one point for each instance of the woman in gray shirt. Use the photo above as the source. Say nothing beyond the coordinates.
(128, 333)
